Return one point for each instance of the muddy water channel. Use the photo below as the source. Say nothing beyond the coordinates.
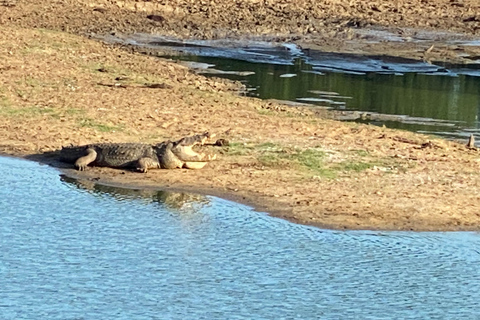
(77, 250)
(399, 93)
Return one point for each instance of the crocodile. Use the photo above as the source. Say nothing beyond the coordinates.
(140, 156)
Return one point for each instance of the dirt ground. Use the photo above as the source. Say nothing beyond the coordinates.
(431, 30)
(57, 87)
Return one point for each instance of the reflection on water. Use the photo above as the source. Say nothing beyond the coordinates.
(176, 201)
(79, 251)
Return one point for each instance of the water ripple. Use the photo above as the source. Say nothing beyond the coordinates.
(74, 250)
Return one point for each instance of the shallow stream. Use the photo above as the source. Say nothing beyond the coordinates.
(419, 96)
(77, 250)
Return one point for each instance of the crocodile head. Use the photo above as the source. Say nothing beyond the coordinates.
(198, 139)
(179, 154)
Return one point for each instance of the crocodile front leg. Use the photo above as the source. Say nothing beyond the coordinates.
(166, 158)
(82, 162)
(146, 163)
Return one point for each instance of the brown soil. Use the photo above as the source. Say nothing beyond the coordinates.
(58, 88)
(354, 26)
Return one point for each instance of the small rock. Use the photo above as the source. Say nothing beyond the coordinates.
(222, 142)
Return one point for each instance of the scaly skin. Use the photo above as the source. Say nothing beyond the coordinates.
(168, 160)
(139, 156)
(115, 155)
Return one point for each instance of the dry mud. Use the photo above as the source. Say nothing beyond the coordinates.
(435, 30)
(58, 88)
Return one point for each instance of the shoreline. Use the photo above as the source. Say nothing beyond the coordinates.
(230, 195)
(133, 180)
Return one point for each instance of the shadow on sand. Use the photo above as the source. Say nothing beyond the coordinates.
(51, 158)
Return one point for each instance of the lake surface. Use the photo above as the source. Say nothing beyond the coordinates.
(399, 93)
(76, 250)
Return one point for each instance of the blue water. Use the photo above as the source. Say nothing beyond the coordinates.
(75, 250)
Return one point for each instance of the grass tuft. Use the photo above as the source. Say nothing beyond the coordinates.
(311, 160)
(8, 110)
(90, 123)
(354, 166)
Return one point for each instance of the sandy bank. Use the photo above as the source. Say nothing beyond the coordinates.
(58, 89)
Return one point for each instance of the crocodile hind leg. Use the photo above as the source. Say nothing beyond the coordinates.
(146, 163)
(82, 162)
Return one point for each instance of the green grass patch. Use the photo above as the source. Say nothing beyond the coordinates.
(5, 103)
(73, 111)
(311, 160)
(354, 166)
(90, 123)
(274, 155)
(238, 149)
(8, 110)
(269, 146)
(50, 41)
(361, 153)
(33, 85)
(271, 160)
